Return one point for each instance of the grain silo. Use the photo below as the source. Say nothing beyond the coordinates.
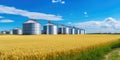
(77, 31)
(59, 30)
(31, 27)
(44, 31)
(50, 28)
(64, 30)
(9, 32)
(70, 30)
(73, 30)
(17, 31)
(83, 31)
(6, 32)
(3, 32)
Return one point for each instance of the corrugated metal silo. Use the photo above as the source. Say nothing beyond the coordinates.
(6, 32)
(64, 29)
(70, 30)
(50, 28)
(17, 31)
(77, 31)
(9, 32)
(3, 32)
(83, 31)
(44, 30)
(59, 30)
(31, 27)
(73, 30)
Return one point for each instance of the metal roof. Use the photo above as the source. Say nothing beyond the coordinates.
(16, 29)
(30, 21)
(50, 23)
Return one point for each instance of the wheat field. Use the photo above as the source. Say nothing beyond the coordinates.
(25, 47)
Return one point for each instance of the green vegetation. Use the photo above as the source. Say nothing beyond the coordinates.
(114, 56)
(96, 53)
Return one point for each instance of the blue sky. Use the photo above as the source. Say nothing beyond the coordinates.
(92, 15)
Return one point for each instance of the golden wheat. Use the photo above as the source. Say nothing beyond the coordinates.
(24, 47)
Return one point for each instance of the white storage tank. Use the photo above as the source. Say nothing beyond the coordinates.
(17, 31)
(64, 30)
(77, 31)
(83, 31)
(9, 32)
(3, 32)
(50, 28)
(70, 30)
(73, 30)
(6, 32)
(31, 27)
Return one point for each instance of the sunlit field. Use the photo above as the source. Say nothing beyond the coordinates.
(40, 47)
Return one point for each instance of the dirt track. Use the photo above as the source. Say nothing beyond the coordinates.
(114, 55)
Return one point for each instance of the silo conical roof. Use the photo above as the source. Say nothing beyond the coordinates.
(30, 21)
(16, 29)
(49, 23)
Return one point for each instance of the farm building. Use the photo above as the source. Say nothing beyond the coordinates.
(50, 28)
(64, 30)
(17, 31)
(6, 32)
(3, 32)
(31, 27)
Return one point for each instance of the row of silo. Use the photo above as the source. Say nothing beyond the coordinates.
(69, 30)
(31, 27)
(15, 31)
(64, 30)
(6, 32)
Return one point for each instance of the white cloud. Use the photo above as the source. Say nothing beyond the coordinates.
(6, 21)
(69, 23)
(58, 1)
(1, 17)
(107, 25)
(85, 14)
(32, 15)
(55, 1)
(62, 2)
